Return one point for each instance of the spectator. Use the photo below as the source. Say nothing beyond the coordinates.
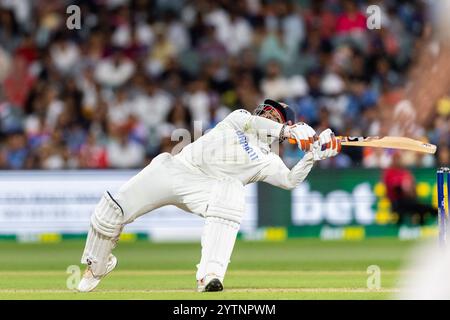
(152, 104)
(163, 50)
(123, 152)
(179, 116)
(15, 153)
(115, 70)
(443, 155)
(177, 33)
(274, 85)
(9, 30)
(351, 25)
(292, 27)
(351, 20)
(302, 103)
(401, 191)
(335, 99)
(119, 109)
(92, 154)
(65, 55)
(197, 101)
(18, 83)
(321, 19)
(273, 48)
(237, 34)
(51, 157)
(210, 47)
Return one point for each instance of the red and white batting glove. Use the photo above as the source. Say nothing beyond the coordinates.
(305, 136)
(328, 146)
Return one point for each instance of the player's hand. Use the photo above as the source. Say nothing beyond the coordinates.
(305, 136)
(329, 146)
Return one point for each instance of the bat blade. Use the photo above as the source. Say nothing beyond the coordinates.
(402, 143)
(388, 142)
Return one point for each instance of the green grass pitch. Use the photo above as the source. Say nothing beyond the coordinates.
(292, 269)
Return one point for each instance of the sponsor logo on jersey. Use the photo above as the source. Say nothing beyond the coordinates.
(243, 141)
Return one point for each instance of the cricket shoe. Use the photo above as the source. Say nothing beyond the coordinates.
(89, 281)
(210, 283)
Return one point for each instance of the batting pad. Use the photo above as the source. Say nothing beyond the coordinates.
(227, 200)
(219, 236)
(108, 217)
(104, 232)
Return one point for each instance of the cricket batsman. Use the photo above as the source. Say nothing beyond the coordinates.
(207, 178)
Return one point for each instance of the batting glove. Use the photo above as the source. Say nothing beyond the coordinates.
(329, 145)
(305, 136)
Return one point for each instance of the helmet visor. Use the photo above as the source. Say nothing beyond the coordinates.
(269, 112)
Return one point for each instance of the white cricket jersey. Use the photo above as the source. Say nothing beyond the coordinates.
(239, 147)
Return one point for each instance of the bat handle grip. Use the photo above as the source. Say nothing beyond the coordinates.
(303, 144)
(293, 141)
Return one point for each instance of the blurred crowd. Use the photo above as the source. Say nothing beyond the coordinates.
(110, 94)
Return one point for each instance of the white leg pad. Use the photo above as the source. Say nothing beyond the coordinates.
(219, 236)
(227, 200)
(104, 232)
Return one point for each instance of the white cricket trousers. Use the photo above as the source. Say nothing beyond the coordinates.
(165, 181)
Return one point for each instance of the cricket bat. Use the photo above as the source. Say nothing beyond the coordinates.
(386, 142)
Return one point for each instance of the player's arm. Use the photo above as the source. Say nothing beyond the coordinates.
(324, 146)
(277, 174)
(245, 121)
